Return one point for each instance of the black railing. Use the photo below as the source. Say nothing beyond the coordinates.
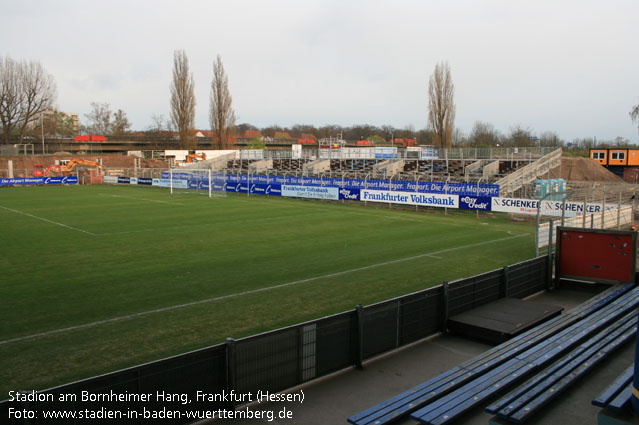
(278, 360)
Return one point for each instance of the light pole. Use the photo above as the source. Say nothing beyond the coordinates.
(42, 128)
(42, 125)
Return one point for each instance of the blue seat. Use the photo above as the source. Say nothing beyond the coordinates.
(617, 394)
(450, 394)
(547, 385)
(564, 347)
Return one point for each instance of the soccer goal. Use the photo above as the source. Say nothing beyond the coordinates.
(205, 182)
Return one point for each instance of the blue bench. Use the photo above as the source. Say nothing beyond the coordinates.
(531, 396)
(465, 385)
(617, 395)
(618, 321)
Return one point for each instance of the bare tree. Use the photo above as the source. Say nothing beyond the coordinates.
(39, 93)
(121, 123)
(99, 119)
(484, 134)
(157, 123)
(634, 114)
(441, 105)
(221, 112)
(26, 91)
(10, 96)
(459, 138)
(182, 98)
(520, 136)
(550, 139)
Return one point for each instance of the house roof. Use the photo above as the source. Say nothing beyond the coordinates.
(282, 135)
(251, 134)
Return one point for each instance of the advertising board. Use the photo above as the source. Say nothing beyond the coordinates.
(548, 208)
(474, 203)
(410, 198)
(39, 180)
(313, 192)
(429, 152)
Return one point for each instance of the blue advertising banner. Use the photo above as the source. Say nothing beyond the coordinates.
(237, 187)
(39, 180)
(198, 182)
(354, 185)
(475, 203)
(124, 180)
(349, 194)
(266, 189)
(145, 181)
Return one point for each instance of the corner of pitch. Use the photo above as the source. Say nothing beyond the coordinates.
(224, 396)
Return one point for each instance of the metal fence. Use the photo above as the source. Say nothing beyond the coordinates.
(278, 360)
(507, 153)
(600, 205)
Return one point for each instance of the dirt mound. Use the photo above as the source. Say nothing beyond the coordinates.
(586, 169)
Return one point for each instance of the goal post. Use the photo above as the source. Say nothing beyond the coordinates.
(199, 181)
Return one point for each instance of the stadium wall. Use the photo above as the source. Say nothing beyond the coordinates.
(468, 196)
(284, 358)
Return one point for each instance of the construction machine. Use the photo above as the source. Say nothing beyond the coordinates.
(194, 157)
(40, 171)
(63, 170)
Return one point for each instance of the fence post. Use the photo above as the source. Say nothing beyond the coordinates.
(506, 279)
(231, 355)
(445, 296)
(359, 353)
(549, 285)
(619, 213)
(635, 380)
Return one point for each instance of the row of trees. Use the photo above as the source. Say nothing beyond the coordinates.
(483, 134)
(221, 114)
(28, 93)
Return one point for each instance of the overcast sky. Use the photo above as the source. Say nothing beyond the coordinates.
(571, 67)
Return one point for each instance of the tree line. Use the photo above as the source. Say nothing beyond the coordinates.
(221, 113)
(28, 94)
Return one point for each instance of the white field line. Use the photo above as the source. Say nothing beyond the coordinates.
(48, 221)
(253, 291)
(141, 199)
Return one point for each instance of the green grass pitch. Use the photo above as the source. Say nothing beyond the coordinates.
(98, 278)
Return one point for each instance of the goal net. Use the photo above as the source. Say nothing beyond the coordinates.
(205, 182)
